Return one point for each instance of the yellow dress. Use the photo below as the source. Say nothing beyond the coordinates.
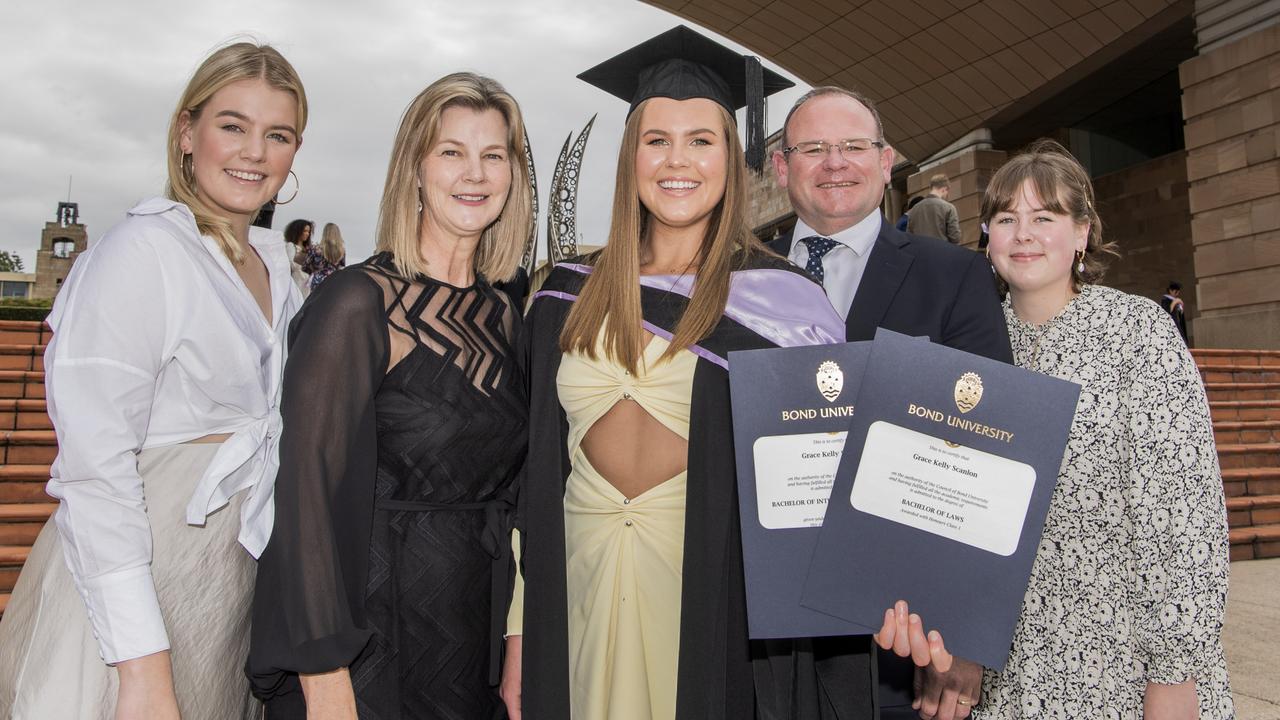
(624, 556)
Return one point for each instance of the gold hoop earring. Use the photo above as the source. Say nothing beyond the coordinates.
(296, 187)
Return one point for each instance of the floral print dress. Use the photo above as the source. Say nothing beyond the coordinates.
(1129, 584)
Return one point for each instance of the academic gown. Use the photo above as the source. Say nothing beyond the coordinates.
(721, 674)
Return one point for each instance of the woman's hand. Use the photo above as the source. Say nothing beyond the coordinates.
(1171, 702)
(146, 689)
(329, 695)
(511, 676)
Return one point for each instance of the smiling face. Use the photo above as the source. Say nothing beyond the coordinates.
(1034, 249)
(466, 175)
(241, 144)
(835, 191)
(681, 162)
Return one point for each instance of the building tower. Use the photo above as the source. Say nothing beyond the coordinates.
(60, 244)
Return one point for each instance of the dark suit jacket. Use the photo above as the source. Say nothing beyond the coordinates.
(920, 286)
(924, 286)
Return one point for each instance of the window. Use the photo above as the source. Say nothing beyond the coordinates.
(63, 247)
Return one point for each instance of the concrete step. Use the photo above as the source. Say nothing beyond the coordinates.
(1257, 542)
(25, 483)
(17, 414)
(1249, 455)
(14, 554)
(28, 447)
(1216, 391)
(1235, 432)
(1237, 482)
(22, 357)
(1228, 410)
(1220, 356)
(1249, 510)
(21, 383)
(1217, 373)
(24, 332)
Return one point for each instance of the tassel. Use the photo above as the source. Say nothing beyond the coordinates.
(755, 114)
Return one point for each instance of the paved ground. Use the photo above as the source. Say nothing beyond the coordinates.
(1252, 638)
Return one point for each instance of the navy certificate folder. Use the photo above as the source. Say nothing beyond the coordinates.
(791, 410)
(941, 493)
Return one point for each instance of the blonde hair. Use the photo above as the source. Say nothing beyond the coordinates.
(610, 299)
(1063, 187)
(331, 245)
(502, 243)
(229, 64)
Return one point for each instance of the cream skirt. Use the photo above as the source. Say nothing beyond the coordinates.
(49, 661)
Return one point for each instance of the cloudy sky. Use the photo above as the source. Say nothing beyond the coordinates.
(88, 89)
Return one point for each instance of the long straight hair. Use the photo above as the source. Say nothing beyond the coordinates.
(399, 215)
(610, 299)
(331, 245)
(233, 63)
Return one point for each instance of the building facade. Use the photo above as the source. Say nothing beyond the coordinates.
(1172, 105)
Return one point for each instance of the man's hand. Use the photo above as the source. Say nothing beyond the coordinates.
(512, 669)
(903, 633)
(947, 695)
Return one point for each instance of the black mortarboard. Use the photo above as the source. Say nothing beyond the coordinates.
(682, 64)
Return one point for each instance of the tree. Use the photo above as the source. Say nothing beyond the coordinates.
(10, 261)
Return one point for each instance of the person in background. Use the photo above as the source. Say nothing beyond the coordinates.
(934, 216)
(298, 234)
(163, 383)
(1124, 609)
(326, 257)
(384, 587)
(902, 221)
(1172, 303)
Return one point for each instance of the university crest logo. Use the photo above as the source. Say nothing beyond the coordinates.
(830, 380)
(968, 391)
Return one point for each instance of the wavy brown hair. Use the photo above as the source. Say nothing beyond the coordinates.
(502, 243)
(610, 299)
(1063, 186)
(229, 64)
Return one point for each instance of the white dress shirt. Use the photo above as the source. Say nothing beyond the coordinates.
(157, 341)
(843, 264)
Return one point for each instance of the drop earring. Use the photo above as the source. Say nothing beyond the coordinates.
(1080, 263)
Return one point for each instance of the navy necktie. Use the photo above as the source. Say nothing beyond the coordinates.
(818, 247)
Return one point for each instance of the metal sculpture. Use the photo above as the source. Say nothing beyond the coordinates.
(562, 231)
(530, 256)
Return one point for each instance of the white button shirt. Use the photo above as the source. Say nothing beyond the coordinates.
(844, 264)
(157, 341)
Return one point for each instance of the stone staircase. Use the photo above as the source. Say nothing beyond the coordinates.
(1243, 388)
(1244, 399)
(27, 446)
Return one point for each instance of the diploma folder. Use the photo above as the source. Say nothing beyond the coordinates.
(789, 403)
(941, 494)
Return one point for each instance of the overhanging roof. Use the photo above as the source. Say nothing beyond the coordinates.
(939, 68)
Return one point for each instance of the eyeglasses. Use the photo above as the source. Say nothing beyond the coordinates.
(817, 149)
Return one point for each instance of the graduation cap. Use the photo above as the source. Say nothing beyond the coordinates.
(682, 64)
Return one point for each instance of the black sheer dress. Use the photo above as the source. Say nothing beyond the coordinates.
(404, 430)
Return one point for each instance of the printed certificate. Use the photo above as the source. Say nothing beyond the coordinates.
(793, 477)
(941, 493)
